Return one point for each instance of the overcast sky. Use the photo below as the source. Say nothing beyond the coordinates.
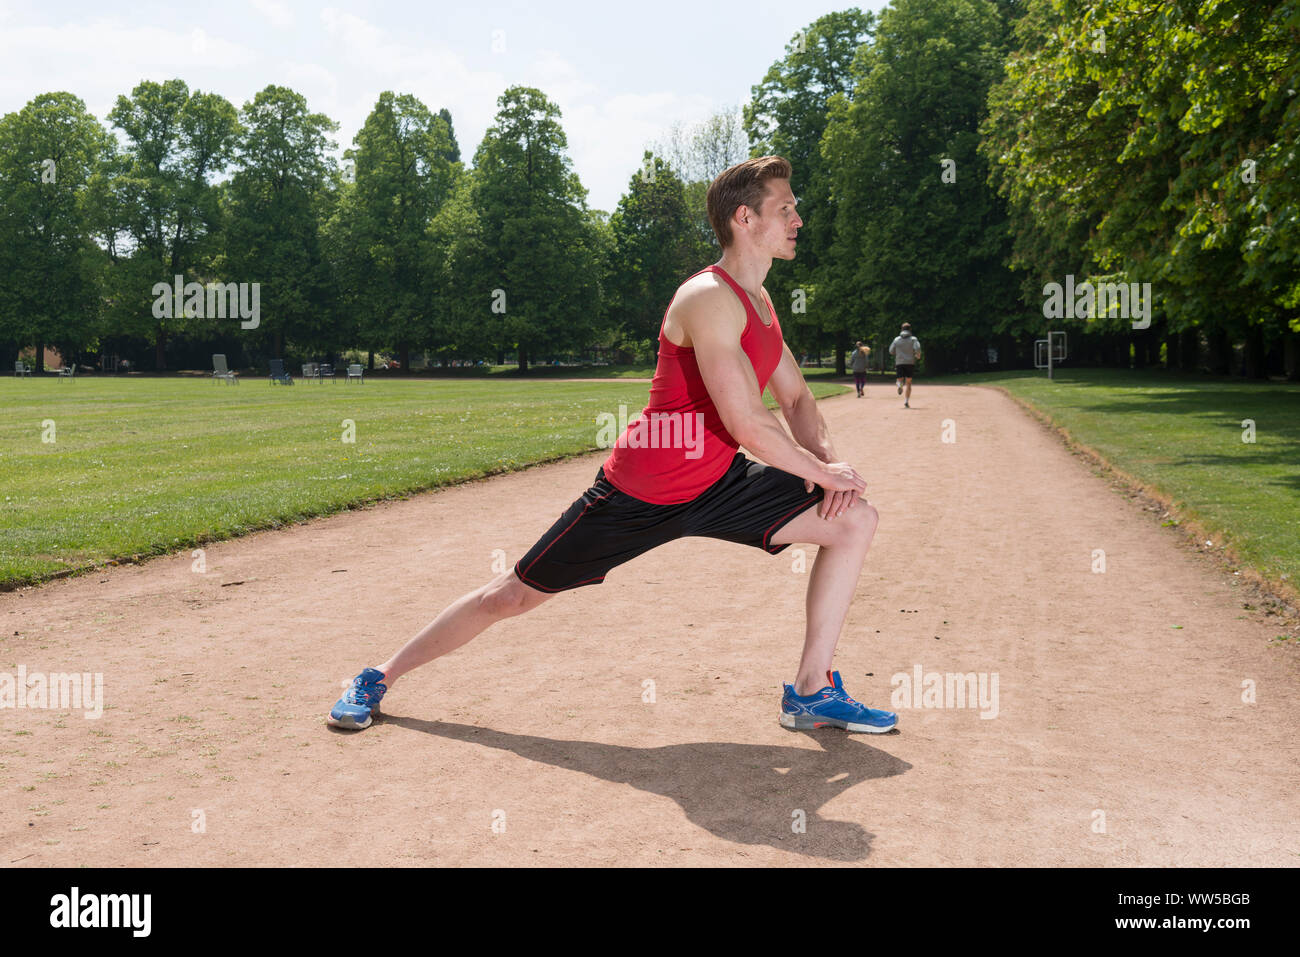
(621, 72)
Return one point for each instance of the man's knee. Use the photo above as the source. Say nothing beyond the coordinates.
(507, 595)
(863, 519)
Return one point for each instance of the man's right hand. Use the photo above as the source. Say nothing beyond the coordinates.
(843, 487)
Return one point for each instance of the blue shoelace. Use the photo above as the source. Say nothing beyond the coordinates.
(362, 693)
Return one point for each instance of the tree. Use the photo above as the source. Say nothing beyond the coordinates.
(540, 268)
(919, 235)
(177, 143)
(404, 175)
(277, 199)
(787, 116)
(50, 151)
(654, 248)
(697, 154)
(1156, 144)
(452, 154)
(458, 274)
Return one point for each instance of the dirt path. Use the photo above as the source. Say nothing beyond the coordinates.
(216, 686)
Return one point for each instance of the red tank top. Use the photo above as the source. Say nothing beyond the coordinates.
(679, 446)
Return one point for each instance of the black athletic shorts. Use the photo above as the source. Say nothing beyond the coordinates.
(906, 370)
(605, 527)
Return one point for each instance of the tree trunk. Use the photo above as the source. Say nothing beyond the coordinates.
(370, 362)
(404, 358)
(1220, 352)
(1189, 343)
(841, 340)
(1291, 355)
(160, 350)
(40, 356)
(1253, 360)
(523, 357)
(1139, 351)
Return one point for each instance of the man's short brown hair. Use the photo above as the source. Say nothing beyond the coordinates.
(744, 184)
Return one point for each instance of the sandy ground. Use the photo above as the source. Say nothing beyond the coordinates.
(1120, 738)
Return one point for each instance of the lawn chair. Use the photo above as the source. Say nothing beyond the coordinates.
(354, 372)
(69, 373)
(219, 370)
(325, 370)
(278, 374)
(20, 369)
(309, 371)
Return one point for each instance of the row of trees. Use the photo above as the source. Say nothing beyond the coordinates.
(957, 156)
(952, 158)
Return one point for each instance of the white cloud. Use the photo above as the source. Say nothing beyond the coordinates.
(100, 59)
(342, 57)
(608, 133)
(276, 13)
(438, 76)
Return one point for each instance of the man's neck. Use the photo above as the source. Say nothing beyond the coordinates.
(748, 269)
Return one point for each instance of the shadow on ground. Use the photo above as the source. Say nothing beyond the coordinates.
(742, 793)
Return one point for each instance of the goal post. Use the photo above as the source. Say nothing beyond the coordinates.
(1050, 351)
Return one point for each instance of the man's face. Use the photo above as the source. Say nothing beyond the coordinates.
(774, 232)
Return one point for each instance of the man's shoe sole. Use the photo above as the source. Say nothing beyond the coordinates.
(348, 723)
(805, 722)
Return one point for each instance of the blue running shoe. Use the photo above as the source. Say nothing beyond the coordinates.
(359, 702)
(832, 708)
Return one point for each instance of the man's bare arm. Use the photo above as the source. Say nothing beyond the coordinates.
(715, 320)
(797, 404)
(792, 394)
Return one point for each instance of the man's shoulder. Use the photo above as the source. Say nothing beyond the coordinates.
(706, 297)
(703, 286)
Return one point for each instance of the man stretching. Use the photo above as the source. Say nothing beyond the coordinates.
(905, 349)
(719, 346)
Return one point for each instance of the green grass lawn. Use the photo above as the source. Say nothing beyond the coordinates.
(575, 372)
(511, 371)
(142, 466)
(1182, 435)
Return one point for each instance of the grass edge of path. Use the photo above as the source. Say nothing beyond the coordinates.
(160, 551)
(1279, 597)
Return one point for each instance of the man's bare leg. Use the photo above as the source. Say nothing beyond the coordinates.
(843, 542)
(464, 619)
(907, 392)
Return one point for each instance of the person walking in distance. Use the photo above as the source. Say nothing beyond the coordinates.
(720, 345)
(905, 349)
(859, 365)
